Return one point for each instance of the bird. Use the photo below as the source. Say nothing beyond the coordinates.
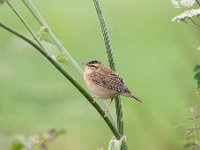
(105, 83)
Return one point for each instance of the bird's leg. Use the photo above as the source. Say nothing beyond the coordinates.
(107, 108)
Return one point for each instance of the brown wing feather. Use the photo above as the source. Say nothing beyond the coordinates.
(110, 81)
(116, 83)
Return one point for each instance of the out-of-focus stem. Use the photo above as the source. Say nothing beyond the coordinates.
(24, 23)
(198, 2)
(108, 45)
(42, 22)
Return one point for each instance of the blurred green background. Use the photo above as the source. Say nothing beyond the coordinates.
(155, 57)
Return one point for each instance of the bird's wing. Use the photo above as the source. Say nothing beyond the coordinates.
(110, 81)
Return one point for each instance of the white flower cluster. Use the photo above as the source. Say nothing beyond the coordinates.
(175, 3)
(185, 3)
(187, 14)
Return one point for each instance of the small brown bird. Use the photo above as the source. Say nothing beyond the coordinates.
(105, 83)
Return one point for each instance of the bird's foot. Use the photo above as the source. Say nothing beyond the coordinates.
(105, 112)
(94, 99)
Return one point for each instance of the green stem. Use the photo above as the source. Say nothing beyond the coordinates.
(105, 34)
(108, 45)
(198, 2)
(191, 19)
(108, 48)
(193, 24)
(110, 124)
(42, 22)
(25, 24)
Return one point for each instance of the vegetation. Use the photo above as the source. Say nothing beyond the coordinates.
(155, 56)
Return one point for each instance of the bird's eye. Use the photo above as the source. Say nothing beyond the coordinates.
(93, 66)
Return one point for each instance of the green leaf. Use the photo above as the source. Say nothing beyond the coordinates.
(16, 145)
(115, 144)
(43, 35)
(61, 132)
(197, 68)
(61, 58)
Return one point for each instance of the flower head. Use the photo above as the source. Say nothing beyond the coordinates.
(187, 14)
(187, 3)
(175, 3)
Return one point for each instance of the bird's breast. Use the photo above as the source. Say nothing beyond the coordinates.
(98, 90)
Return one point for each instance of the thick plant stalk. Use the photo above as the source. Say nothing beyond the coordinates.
(108, 45)
(108, 121)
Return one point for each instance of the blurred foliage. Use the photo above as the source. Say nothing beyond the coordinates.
(192, 132)
(2, 1)
(36, 142)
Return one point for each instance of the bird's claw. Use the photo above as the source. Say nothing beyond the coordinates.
(105, 112)
(94, 99)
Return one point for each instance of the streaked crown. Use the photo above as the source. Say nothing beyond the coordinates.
(92, 62)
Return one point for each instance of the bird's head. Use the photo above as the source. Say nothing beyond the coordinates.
(92, 65)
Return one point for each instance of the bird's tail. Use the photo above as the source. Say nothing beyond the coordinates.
(136, 98)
